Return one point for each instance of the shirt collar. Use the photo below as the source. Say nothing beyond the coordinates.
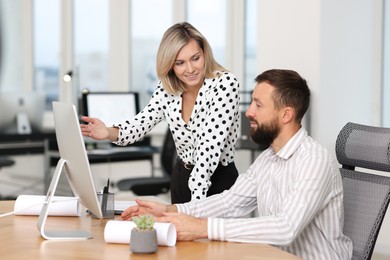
(293, 144)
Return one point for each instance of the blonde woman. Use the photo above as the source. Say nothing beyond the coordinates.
(199, 99)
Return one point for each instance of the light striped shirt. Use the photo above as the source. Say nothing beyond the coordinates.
(299, 196)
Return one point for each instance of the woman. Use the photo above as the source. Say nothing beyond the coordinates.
(199, 99)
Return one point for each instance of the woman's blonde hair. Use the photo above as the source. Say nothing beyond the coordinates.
(172, 41)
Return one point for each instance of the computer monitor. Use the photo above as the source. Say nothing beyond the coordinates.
(74, 163)
(21, 112)
(110, 107)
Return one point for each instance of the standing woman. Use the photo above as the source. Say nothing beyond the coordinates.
(200, 101)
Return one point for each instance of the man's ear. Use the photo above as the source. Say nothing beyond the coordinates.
(288, 114)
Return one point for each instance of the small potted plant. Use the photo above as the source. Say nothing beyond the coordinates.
(143, 237)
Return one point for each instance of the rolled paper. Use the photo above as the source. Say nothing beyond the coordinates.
(119, 232)
(59, 206)
(121, 205)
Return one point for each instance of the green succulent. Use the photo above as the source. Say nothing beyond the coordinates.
(144, 222)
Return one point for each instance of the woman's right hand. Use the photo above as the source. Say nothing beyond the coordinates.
(94, 128)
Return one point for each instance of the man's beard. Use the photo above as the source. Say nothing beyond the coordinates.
(264, 135)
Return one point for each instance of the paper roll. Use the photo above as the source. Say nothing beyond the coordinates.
(60, 206)
(117, 231)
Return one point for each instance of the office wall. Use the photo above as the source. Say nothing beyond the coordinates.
(336, 45)
(350, 68)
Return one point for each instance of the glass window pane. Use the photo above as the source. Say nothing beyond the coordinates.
(47, 48)
(11, 37)
(209, 17)
(147, 31)
(91, 44)
(250, 49)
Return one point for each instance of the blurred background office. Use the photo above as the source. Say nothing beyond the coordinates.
(342, 48)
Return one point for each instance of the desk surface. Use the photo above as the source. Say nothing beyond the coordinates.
(19, 238)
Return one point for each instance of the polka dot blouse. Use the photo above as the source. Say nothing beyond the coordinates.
(209, 137)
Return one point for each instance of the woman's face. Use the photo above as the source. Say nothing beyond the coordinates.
(189, 65)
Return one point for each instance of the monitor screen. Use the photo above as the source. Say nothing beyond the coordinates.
(21, 112)
(74, 163)
(111, 107)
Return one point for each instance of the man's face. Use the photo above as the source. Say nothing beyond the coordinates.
(263, 117)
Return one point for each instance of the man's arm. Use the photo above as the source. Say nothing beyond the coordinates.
(188, 228)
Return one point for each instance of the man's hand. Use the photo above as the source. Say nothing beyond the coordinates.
(188, 228)
(147, 208)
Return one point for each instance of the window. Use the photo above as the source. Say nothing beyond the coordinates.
(91, 39)
(250, 49)
(148, 26)
(47, 48)
(11, 36)
(209, 17)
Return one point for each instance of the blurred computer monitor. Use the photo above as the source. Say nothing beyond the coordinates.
(21, 112)
(110, 107)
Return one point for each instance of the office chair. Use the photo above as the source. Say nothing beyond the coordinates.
(366, 195)
(4, 162)
(152, 186)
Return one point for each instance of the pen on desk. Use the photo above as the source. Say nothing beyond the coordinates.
(105, 197)
(105, 189)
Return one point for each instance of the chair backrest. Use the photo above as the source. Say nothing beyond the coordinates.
(168, 154)
(366, 195)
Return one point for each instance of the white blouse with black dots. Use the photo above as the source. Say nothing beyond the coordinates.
(209, 137)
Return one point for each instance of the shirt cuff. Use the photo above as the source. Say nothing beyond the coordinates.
(215, 229)
(117, 142)
(181, 208)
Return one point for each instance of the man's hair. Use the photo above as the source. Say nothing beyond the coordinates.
(172, 41)
(290, 90)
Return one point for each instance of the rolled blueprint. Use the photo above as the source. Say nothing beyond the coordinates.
(59, 206)
(118, 231)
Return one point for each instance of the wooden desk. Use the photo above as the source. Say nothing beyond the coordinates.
(20, 239)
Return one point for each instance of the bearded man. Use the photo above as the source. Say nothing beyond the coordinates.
(295, 184)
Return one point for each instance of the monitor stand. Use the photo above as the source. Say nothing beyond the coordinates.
(57, 234)
(23, 124)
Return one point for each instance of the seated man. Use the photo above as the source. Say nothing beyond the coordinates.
(295, 184)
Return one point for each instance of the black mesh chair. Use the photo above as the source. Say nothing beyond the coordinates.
(366, 195)
(152, 186)
(4, 162)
